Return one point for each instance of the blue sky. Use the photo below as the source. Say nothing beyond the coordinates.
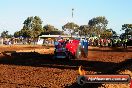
(58, 12)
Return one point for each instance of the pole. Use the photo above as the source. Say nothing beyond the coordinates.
(72, 12)
(72, 21)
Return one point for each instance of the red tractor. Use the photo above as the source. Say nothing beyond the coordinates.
(68, 49)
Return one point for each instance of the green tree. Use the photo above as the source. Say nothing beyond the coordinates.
(98, 24)
(36, 27)
(49, 29)
(17, 34)
(26, 32)
(72, 27)
(127, 28)
(32, 28)
(4, 34)
(84, 30)
(28, 22)
(106, 34)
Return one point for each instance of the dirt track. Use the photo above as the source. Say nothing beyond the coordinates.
(43, 72)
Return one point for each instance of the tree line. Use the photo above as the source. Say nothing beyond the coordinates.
(97, 26)
(32, 28)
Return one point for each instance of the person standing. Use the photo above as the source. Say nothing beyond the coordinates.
(56, 43)
(126, 43)
(86, 47)
(108, 42)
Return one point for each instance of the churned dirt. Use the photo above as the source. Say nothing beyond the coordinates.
(33, 67)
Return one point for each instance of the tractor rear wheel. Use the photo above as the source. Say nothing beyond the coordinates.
(69, 56)
(78, 53)
(81, 53)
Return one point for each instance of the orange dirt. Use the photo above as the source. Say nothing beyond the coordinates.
(43, 72)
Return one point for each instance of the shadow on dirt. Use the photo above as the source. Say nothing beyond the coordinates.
(46, 60)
